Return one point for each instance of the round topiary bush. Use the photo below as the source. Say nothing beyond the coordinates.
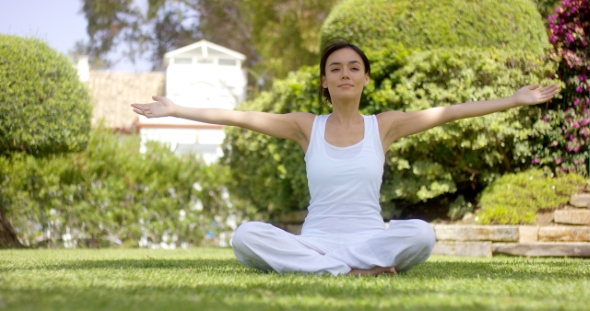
(44, 108)
(425, 24)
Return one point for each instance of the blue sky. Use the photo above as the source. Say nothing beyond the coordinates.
(59, 22)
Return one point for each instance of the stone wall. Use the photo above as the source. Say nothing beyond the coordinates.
(568, 234)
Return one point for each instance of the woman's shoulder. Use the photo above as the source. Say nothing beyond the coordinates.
(390, 115)
(303, 115)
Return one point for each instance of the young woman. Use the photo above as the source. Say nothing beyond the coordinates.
(344, 154)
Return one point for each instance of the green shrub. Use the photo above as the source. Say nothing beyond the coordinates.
(44, 108)
(459, 208)
(427, 24)
(113, 192)
(516, 198)
(466, 154)
(461, 156)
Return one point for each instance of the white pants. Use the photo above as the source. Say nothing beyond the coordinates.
(404, 244)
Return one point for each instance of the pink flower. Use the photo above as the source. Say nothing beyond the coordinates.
(557, 161)
(536, 160)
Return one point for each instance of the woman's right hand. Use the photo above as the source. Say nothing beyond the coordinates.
(162, 107)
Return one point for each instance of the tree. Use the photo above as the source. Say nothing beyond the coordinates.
(44, 108)
(276, 36)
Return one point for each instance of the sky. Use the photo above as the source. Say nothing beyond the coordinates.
(60, 23)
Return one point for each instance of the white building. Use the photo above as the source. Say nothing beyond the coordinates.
(203, 75)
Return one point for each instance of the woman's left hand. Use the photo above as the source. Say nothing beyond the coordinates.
(533, 95)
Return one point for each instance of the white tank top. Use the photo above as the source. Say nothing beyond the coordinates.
(344, 182)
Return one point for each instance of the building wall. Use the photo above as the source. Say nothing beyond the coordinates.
(113, 92)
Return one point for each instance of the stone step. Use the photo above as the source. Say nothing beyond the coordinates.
(580, 200)
(528, 234)
(476, 233)
(464, 249)
(573, 216)
(564, 234)
(543, 249)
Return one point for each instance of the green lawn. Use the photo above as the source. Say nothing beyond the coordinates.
(211, 279)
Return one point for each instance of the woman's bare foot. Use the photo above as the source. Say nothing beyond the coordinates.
(373, 271)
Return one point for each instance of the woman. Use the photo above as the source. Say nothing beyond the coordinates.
(344, 153)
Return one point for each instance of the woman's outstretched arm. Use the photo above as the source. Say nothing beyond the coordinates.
(294, 126)
(395, 124)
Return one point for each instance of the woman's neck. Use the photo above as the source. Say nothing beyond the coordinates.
(345, 114)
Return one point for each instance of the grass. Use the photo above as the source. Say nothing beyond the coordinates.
(211, 279)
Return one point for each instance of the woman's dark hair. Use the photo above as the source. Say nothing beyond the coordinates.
(330, 48)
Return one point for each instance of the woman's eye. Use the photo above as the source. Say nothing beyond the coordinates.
(335, 69)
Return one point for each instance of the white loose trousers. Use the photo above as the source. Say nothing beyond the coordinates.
(404, 244)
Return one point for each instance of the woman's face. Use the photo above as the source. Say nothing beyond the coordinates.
(345, 75)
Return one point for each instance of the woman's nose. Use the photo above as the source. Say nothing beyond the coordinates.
(344, 74)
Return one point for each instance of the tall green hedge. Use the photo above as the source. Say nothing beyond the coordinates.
(44, 108)
(427, 24)
(458, 157)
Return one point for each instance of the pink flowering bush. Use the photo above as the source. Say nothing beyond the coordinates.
(565, 147)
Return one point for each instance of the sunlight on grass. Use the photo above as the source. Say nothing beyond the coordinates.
(211, 279)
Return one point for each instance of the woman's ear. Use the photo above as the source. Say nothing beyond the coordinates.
(367, 79)
(324, 84)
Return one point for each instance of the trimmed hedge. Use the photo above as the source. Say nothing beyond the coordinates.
(44, 108)
(458, 157)
(427, 24)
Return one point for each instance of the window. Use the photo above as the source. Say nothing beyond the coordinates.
(227, 62)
